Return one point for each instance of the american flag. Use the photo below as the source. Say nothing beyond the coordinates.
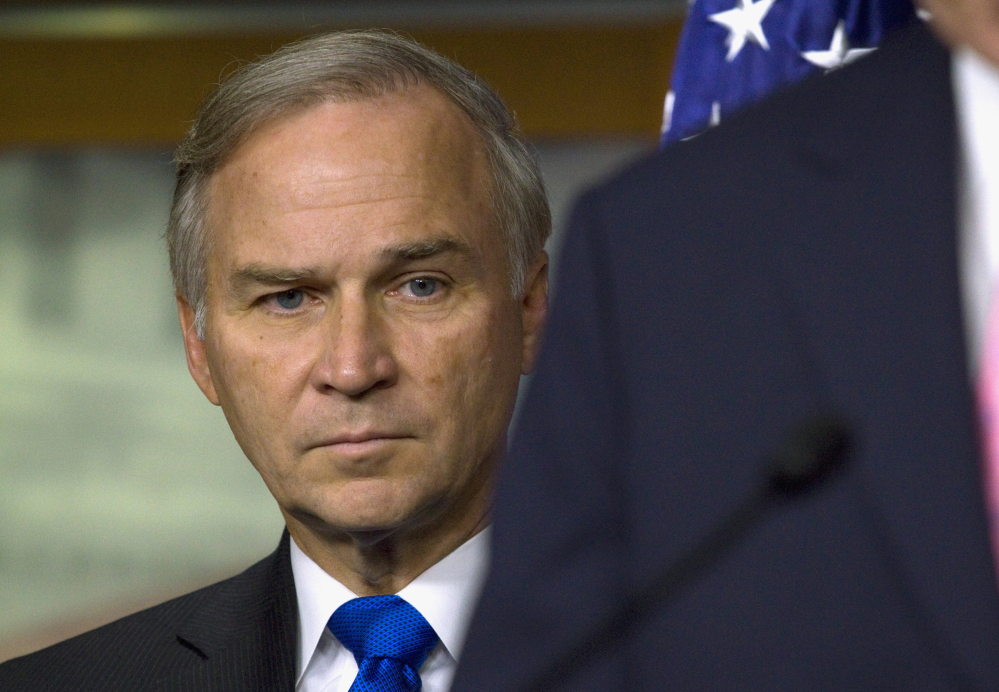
(734, 52)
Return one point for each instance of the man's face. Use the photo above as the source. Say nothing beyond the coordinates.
(974, 23)
(361, 335)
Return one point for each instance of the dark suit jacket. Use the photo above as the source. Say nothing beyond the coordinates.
(239, 634)
(798, 257)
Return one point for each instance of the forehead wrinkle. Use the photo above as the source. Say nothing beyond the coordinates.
(313, 191)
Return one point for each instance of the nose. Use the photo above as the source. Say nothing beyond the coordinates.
(356, 353)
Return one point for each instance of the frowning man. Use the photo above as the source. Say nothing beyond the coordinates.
(357, 244)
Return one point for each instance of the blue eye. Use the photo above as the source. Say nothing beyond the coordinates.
(423, 287)
(289, 300)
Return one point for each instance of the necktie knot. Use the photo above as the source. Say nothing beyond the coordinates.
(390, 641)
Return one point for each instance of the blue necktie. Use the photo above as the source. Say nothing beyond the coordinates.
(390, 640)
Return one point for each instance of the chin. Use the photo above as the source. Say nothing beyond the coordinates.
(367, 506)
(376, 509)
(331, 523)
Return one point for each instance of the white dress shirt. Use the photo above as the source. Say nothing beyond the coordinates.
(445, 594)
(976, 95)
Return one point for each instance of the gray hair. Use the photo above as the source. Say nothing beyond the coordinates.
(339, 67)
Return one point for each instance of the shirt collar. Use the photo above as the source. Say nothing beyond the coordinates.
(976, 94)
(445, 594)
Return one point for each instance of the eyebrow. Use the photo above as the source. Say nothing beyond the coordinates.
(269, 275)
(427, 248)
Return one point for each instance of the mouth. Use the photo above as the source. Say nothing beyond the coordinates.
(360, 443)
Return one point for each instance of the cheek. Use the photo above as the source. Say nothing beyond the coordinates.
(472, 375)
(259, 384)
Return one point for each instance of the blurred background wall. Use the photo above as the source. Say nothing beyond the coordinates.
(120, 486)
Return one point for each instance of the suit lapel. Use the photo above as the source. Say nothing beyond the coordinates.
(245, 631)
(877, 273)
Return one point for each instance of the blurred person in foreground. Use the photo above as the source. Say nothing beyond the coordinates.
(357, 241)
(832, 249)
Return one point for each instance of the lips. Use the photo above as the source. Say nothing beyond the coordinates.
(356, 438)
(358, 441)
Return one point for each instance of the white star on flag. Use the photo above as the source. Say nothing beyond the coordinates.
(839, 52)
(715, 114)
(744, 23)
(716, 74)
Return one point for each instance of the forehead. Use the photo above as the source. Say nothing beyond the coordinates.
(413, 145)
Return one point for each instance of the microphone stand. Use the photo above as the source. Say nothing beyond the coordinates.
(809, 454)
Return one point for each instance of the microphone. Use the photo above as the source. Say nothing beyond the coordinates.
(810, 453)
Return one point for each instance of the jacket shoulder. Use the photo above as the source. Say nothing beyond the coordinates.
(900, 91)
(137, 651)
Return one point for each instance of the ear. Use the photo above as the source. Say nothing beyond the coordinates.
(534, 309)
(197, 359)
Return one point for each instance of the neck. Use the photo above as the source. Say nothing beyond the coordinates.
(972, 23)
(371, 563)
